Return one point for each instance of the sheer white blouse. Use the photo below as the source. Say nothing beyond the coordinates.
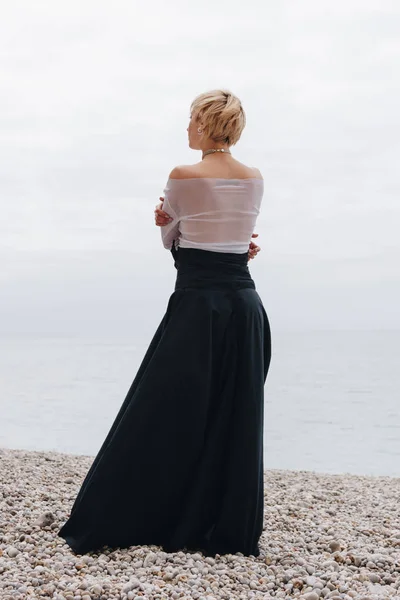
(211, 213)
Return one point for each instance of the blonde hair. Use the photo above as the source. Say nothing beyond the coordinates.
(221, 114)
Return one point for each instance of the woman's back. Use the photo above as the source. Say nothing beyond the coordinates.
(214, 206)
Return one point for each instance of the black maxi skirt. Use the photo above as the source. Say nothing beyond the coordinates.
(182, 465)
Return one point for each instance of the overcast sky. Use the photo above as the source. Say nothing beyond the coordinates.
(94, 105)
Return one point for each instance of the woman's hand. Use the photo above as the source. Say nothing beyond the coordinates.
(161, 217)
(253, 248)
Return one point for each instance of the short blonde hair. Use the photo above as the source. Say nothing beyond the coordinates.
(221, 114)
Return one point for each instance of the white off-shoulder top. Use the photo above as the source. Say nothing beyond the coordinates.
(211, 213)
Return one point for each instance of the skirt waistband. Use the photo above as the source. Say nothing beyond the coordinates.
(202, 269)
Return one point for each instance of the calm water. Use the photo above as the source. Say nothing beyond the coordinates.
(332, 398)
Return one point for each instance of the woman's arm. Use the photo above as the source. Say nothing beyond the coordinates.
(170, 229)
(162, 219)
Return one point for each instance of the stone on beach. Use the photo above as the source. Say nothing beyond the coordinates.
(325, 537)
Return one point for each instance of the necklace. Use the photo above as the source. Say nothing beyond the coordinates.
(212, 150)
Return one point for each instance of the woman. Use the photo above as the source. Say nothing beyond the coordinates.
(182, 465)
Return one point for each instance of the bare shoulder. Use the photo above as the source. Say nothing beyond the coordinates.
(184, 172)
(199, 170)
(257, 173)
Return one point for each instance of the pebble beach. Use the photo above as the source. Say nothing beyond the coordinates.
(325, 536)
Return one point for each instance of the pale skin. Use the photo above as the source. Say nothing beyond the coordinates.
(216, 164)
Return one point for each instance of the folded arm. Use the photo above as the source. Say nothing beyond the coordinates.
(170, 231)
(163, 220)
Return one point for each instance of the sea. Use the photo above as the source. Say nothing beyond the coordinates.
(332, 398)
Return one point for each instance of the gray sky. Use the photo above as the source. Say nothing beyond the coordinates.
(94, 105)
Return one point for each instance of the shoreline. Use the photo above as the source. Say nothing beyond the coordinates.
(325, 536)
